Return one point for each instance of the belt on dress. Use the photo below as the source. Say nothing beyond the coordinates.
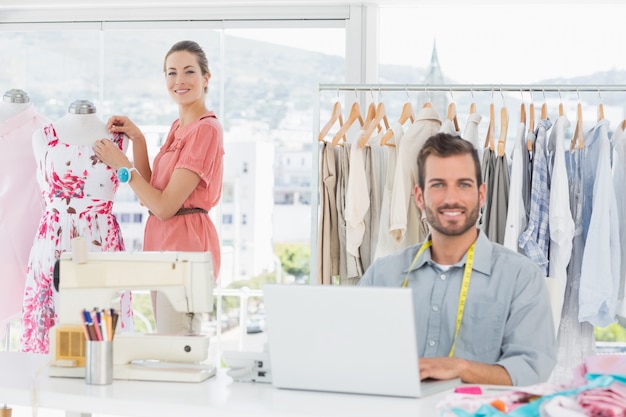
(187, 210)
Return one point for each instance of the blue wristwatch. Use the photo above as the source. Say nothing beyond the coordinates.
(124, 174)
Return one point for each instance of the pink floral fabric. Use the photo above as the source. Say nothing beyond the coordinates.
(78, 191)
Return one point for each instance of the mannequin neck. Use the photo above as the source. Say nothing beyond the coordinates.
(80, 129)
(8, 110)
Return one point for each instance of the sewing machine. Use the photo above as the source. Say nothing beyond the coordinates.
(91, 280)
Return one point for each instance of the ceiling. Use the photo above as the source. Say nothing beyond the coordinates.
(228, 3)
(18, 12)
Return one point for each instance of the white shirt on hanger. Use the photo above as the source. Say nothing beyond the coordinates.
(601, 259)
(516, 213)
(470, 133)
(560, 221)
(619, 183)
(405, 225)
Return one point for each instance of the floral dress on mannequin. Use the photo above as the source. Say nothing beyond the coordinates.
(78, 191)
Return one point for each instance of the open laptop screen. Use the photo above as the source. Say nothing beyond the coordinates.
(343, 339)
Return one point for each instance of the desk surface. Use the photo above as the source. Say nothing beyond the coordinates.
(23, 372)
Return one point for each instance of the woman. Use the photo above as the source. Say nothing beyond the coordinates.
(186, 181)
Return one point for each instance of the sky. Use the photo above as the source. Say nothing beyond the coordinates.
(491, 43)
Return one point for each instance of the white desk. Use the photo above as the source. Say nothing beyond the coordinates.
(218, 396)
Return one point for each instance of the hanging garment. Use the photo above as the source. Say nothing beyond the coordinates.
(535, 240)
(385, 244)
(328, 240)
(448, 127)
(363, 199)
(350, 267)
(560, 222)
(79, 192)
(488, 170)
(499, 200)
(375, 167)
(470, 133)
(619, 183)
(406, 225)
(357, 201)
(22, 206)
(575, 339)
(516, 213)
(601, 259)
(529, 151)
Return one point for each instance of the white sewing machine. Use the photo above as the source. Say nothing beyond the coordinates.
(93, 280)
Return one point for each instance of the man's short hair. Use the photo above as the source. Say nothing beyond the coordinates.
(443, 145)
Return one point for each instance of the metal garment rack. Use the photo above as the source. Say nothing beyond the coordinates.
(475, 87)
(424, 88)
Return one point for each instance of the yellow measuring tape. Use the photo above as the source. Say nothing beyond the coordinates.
(467, 273)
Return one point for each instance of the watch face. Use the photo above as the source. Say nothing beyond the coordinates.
(123, 175)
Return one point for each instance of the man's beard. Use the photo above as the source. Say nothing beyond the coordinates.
(452, 229)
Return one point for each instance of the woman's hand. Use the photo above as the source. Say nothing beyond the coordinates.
(110, 154)
(122, 124)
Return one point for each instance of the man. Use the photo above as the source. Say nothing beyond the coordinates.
(482, 311)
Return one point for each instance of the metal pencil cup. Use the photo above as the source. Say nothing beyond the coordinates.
(99, 363)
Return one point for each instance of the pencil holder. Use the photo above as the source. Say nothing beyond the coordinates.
(99, 363)
(5, 411)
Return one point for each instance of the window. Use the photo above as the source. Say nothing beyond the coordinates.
(228, 195)
(271, 105)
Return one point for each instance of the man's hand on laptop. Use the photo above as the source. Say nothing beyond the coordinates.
(469, 371)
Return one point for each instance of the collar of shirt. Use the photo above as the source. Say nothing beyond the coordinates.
(482, 256)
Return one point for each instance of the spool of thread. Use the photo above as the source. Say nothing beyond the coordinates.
(5, 411)
(79, 250)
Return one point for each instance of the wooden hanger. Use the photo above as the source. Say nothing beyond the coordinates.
(560, 109)
(452, 115)
(600, 112)
(600, 108)
(472, 109)
(334, 117)
(544, 111)
(379, 116)
(355, 114)
(577, 139)
(371, 113)
(624, 124)
(406, 114)
(428, 103)
(490, 130)
(504, 126)
(531, 125)
(522, 114)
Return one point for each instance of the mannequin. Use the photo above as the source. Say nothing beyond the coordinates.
(79, 192)
(80, 126)
(20, 198)
(13, 102)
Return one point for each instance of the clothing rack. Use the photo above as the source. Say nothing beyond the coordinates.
(474, 87)
(424, 88)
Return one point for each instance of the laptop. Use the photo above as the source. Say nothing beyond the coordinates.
(345, 339)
